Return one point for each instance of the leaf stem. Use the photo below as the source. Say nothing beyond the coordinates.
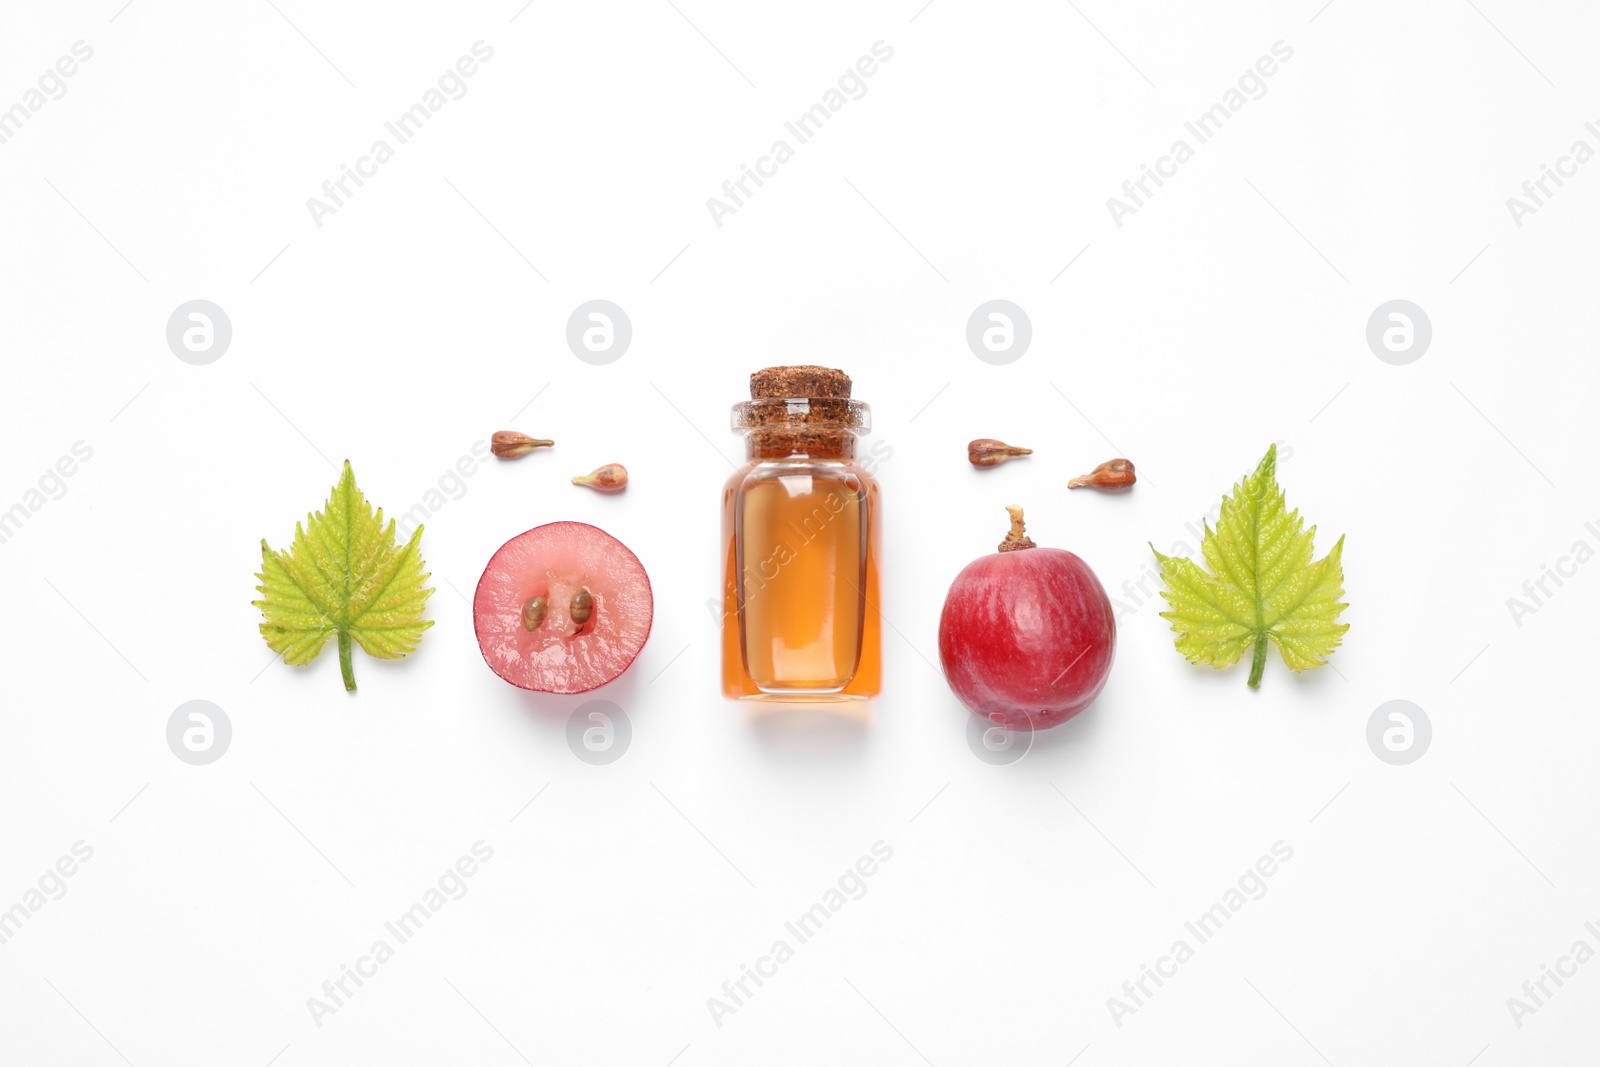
(346, 669)
(1258, 662)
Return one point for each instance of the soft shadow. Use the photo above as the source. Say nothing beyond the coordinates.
(806, 731)
(1076, 731)
(1108, 494)
(1318, 678)
(556, 708)
(549, 708)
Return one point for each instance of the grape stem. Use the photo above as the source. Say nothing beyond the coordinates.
(1017, 538)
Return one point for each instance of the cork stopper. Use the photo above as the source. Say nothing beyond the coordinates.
(801, 409)
(805, 380)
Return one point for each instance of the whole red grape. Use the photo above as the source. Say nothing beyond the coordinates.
(1027, 634)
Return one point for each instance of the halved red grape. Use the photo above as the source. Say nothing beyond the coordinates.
(560, 561)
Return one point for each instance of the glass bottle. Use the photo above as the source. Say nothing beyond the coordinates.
(801, 543)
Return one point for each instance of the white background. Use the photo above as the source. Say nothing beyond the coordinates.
(1226, 314)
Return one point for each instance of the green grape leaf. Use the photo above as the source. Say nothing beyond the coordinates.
(1263, 585)
(343, 575)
